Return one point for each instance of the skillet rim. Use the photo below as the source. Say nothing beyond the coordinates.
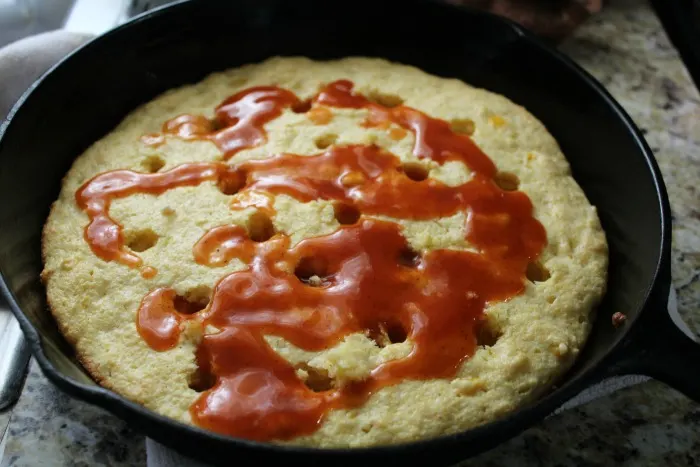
(503, 428)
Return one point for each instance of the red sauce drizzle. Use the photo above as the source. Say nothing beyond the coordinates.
(104, 234)
(149, 272)
(238, 122)
(159, 322)
(362, 278)
(434, 138)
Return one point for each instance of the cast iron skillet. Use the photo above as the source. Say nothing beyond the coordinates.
(88, 93)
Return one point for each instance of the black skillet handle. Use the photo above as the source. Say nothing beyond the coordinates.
(656, 347)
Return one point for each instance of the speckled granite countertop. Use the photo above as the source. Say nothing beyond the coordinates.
(649, 424)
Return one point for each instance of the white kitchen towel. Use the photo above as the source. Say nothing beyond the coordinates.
(24, 61)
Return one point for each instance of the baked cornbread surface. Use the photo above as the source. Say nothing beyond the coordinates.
(537, 334)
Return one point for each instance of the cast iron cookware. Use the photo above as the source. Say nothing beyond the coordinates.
(88, 93)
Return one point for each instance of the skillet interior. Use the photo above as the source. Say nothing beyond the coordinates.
(89, 93)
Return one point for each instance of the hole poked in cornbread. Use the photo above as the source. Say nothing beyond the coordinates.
(325, 141)
(301, 107)
(312, 271)
(409, 258)
(316, 379)
(201, 380)
(507, 181)
(389, 333)
(216, 124)
(193, 300)
(140, 240)
(230, 183)
(346, 214)
(487, 333)
(415, 171)
(537, 272)
(384, 99)
(260, 227)
(464, 126)
(396, 333)
(153, 164)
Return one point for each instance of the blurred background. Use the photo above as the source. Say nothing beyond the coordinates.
(551, 19)
(20, 18)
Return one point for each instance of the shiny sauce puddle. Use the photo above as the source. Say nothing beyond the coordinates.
(362, 278)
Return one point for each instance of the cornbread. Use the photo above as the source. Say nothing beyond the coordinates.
(208, 226)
